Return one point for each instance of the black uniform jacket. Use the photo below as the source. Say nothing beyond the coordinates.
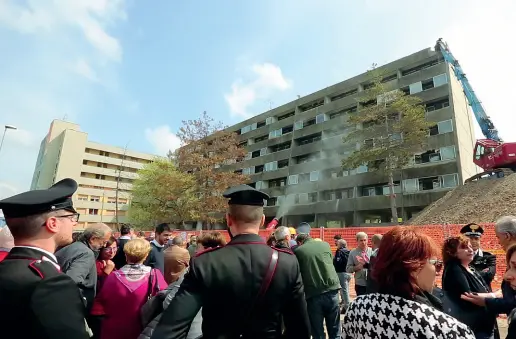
(225, 281)
(36, 300)
(483, 260)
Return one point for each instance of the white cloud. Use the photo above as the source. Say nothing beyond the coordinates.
(268, 78)
(83, 68)
(162, 139)
(486, 55)
(90, 16)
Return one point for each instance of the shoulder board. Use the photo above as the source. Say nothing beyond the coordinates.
(284, 250)
(207, 250)
(43, 269)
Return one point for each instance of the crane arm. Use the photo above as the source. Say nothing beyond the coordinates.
(486, 125)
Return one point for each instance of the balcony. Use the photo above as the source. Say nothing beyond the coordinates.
(112, 161)
(108, 171)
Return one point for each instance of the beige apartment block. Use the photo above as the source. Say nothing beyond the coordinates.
(66, 153)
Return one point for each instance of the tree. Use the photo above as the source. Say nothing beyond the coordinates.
(163, 194)
(205, 147)
(393, 129)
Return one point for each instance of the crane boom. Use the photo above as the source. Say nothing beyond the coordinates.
(486, 125)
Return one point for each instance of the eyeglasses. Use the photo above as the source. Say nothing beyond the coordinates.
(73, 217)
(110, 249)
(437, 263)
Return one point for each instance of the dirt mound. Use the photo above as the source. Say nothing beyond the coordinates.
(482, 201)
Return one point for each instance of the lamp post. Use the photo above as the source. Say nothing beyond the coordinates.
(6, 127)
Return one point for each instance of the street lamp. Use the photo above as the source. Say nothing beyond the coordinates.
(6, 127)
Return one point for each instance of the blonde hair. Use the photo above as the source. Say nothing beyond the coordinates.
(136, 250)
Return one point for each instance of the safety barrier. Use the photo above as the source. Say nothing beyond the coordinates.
(489, 242)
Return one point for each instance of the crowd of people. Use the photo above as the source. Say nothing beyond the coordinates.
(56, 284)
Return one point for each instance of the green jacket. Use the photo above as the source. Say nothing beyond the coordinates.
(316, 265)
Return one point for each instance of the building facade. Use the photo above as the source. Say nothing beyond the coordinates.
(103, 172)
(296, 150)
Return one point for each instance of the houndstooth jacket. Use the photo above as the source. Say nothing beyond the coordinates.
(384, 316)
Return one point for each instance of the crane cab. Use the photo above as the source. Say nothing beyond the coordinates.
(490, 154)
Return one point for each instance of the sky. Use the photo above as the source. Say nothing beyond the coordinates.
(129, 72)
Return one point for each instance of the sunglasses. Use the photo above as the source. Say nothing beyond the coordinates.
(437, 263)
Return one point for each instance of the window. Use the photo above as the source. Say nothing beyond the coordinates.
(260, 124)
(284, 116)
(248, 171)
(311, 105)
(258, 169)
(309, 122)
(440, 80)
(426, 157)
(287, 129)
(101, 177)
(397, 189)
(275, 133)
(320, 118)
(94, 198)
(262, 138)
(263, 151)
(309, 139)
(272, 201)
(269, 120)
(82, 197)
(278, 182)
(312, 197)
(280, 147)
(93, 211)
(362, 169)
(449, 180)
(303, 198)
(390, 78)
(430, 183)
(261, 185)
(387, 97)
(368, 191)
(293, 179)
(445, 126)
(256, 154)
(427, 84)
(448, 153)
(415, 88)
(314, 176)
(343, 95)
(271, 166)
(248, 156)
(368, 143)
(283, 163)
(298, 125)
(437, 105)
(410, 185)
(420, 67)
(85, 162)
(280, 200)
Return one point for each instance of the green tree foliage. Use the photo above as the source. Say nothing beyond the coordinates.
(390, 128)
(163, 194)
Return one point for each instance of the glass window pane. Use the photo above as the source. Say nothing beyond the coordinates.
(416, 88)
(445, 126)
(410, 185)
(448, 152)
(440, 80)
(362, 169)
(449, 180)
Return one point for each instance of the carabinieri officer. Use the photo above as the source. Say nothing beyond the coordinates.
(483, 262)
(36, 299)
(245, 288)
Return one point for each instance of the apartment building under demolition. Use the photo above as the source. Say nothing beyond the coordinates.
(295, 150)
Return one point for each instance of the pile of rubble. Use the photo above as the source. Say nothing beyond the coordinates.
(482, 201)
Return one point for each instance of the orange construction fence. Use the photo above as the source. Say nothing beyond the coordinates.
(488, 241)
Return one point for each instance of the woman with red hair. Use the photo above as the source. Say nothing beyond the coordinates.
(404, 306)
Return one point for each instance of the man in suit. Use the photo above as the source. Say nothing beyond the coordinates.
(77, 260)
(483, 262)
(36, 299)
(126, 234)
(245, 288)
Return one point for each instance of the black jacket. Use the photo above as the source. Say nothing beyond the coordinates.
(371, 285)
(225, 281)
(485, 260)
(119, 259)
(457, 281)
(36, 300)
(340, 260)
(505, 304)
